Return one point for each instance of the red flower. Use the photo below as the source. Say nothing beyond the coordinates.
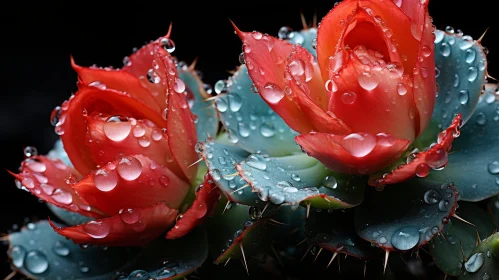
(130, 135)
(370, 92)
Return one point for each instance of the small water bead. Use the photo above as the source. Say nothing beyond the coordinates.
(156, 135)
(348, 97)
(139, 275)
(117, 128)
(437, 159)
(401, 89)
(444, 205)
(138, 131)
(359, 145)
(164, 180)
(233, 136)
(62, 196)
(385, 140)
(255, 163)
(437, 72)
(105, 181)
(243, 130)
(470, 55)
(178, 85)
(405, 238)
(221, 105)
(464, 96)
(422, 170)
(165, 272)
(382, 240)
(272, 93)
(432, 197)
(30, 151)
(28, 183)
(295, 177)
(493, 167)
(235, 102)
(367, 82)
(97, 229)
(330, 182)
(481, 119)
(84, 268)
(466, 43)
(35, 166)
(426, 51)
(130, 216)
(167, 44)
(445, 49)
(474, 263)
(267, 129)
(153, 77)
(331, 86)
(220, 86)
(276, 197)
(129, 168)
(472, 74)
(55, 116)
(36, 262)
(241, 58)
(60, 249)
(144, 142)
(284, 32)
(17, 253)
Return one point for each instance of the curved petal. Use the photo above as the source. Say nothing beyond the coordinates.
(265, 58)
(118, 80)
(132, 182)
(435, 157)
(72, 126)
(111, 140)
(356, 153)
(129, 228)
(50, 180)
(205, 203)
(371, 95)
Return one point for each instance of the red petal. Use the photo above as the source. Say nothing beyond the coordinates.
(435, 157)
(132, 182)
(368, 97)
(133, 227)
(358, 153)
(50, 180)
(110, 141)
(269, 62)
(354, 22)
(72, 124)
(118, 80)
(205, 203)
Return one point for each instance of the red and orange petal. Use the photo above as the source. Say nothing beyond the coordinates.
(132, 182)
(130, 227)
(356, 153)
(88, 100)
(205, 203)
(435, 157)
(51, 180)
(111, 138)
(271, 64)
(371, 95)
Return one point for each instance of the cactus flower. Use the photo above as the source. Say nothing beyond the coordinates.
(370, 92)
(129, 135)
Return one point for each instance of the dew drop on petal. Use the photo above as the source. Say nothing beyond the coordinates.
(105, 181)
(422, 170)
(348, 97)
(493, 167)
(139, 131)
(385, 140)
(272, 93)
(129, 168)
(164, 180)
(437, 158)
(97, 229)
(62, 196)
(401, 89)
(359, 145)
(178, 85)
(130, 216)
(367, 82)
(117, 129)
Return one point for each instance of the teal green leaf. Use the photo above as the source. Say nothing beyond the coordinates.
(483, 262)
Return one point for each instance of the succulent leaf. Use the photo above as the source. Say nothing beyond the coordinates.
(483, 262)
(459, 238)
(462, 68)
(250, 122)
(473, 160)
(406, 215)
(207, 118)
(280, 182)
(305, 38)
(38, 252)
(335, 232)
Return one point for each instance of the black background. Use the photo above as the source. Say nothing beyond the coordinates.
(37, 40)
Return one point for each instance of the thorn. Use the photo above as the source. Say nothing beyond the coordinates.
(314, 20)
(318, 253)
(212, 98)
(193, 64)
(226, 206)
(264, 208)
(339, 265)
(387, 254)
(478, 239)
(483, 35)
(232, 175)
(169, 30)
(308, 250)
(11, 275)
(443, 236)
(490, 77)
(196, 162)
(227, 261)
(277, 222)
(301, 242)
(303, 21)
(244, 257)
(4, 238)
(238, 31)
(326, 199)
(445, 276)
(365, 269)
(243, 187)
(276, 255)
(308, 209)
(462, 220)
(462, 251)
(332, 259)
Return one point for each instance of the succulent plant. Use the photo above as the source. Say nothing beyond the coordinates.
(354, 138)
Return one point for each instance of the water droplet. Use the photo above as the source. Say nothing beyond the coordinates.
(405, 238)
(445, 49)
(474, 263)
(166, 272)
(221, 105)
(36, 262)
(220, 86)
(62, 196)
(432, 197)
(97, 229)
(470, 55)
(444, 205)
(284, 32)
(472, 74)
(55, 116)
(401, 89)
(130, 216)
(295, 177)
(272, 93)
(60, 249)
(144, 142)
(426, 51)
(167, 44)
(117, 128)
(481, 119)
(267, 129)
(422, 170)
(156, 135)
(243, 130)
(331, 86)
(178, 85)
(139, 275)
(235, 102)
(276, 197)
(359, 145)
(222, 160)
(30, 151)
(105, 181)
(464, 96)
(466, 43)
(385, 140)
(330, 182)
(437, 158)
(36, 166)
(164, 180)
(139, 131)
(17, 253)
(129, 168)
(382, 240)
(256, 163)
(367, 82)
(493, 167)
(348, 97)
